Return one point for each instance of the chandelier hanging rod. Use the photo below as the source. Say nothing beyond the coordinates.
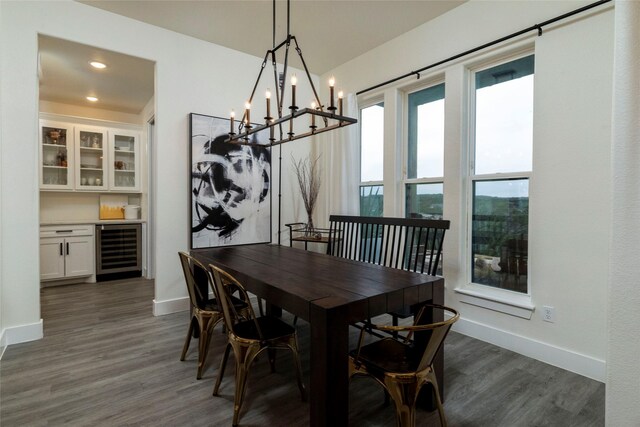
(272, 52)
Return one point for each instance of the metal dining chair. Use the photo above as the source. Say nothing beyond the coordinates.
(403, 368)
(249, 338)
(205, 311)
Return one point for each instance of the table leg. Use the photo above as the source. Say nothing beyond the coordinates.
(274, 310)
(329, 374)
(438, 363)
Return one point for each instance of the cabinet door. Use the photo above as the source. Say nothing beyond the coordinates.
(124, 149)
(79, 256)
(91, 158)
(51, 258)
(56, 155)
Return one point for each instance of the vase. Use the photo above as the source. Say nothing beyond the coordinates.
(309, 231)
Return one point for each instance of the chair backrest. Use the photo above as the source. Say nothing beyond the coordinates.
(413, 244)
(225, 285)
(189, 265)
(437, 332)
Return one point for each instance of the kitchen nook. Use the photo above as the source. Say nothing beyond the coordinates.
(91, 226)
(93, 164)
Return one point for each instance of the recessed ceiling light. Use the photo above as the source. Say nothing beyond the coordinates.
(92, 99)
(96, 64)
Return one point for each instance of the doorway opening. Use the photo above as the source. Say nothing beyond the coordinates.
(94, 145)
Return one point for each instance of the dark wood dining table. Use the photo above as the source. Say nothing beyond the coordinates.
(330, 293)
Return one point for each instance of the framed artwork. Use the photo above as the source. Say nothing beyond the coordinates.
(230, 186)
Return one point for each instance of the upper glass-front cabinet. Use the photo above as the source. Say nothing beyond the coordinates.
(91, 158)
(86, 157)
(125, 151)
(56, 155)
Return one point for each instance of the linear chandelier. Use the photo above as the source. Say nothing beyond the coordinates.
(314, 119)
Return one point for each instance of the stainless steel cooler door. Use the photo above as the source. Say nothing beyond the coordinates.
(118, 248)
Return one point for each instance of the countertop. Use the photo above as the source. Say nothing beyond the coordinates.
(94, 221)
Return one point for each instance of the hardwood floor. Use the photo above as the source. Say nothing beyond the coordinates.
(106, 361)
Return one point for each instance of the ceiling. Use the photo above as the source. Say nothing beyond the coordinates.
(126, 85)
(329, 32)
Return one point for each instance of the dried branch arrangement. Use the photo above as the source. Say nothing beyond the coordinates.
(308, 173)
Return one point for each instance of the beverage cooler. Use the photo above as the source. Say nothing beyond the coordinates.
(118, 249)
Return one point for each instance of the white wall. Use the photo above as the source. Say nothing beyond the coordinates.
(623, 364)
(570, 185)
(191, 76)
(2, 334)
(88, 112)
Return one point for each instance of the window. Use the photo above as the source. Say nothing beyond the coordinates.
(500, 171)
(371, 160)
(425, 153)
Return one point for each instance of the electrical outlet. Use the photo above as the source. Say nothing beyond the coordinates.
(548, 314)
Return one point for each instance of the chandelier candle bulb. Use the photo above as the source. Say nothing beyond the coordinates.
(294, 82)
(291, 128)
(268, 96)
(332, 83)
(340, 96)
(313, 116)
(247, 112)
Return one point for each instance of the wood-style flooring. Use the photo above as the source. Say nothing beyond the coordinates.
(106, 360)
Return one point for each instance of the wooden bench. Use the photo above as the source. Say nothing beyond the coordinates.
(412, 244)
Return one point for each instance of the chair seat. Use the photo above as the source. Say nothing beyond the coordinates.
(389, 355)
(212, 304)
(271, 327)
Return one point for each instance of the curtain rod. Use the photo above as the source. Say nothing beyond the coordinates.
(536, 27)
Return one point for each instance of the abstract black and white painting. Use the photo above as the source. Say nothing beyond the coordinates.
(230, 187)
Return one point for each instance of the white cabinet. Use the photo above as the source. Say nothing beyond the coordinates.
(66, 251)
(124, 149)
(56, 155)
(91, 156)
(75, 156)
(51, 258)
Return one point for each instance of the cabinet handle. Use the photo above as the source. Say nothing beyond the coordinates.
(64, 231)
(61, 250)
(67, 248)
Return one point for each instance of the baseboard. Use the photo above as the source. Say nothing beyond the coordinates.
(562, 358)
(3, 344)
(22, 333)
(160, 308)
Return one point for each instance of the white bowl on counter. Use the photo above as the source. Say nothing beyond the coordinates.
(131, 212)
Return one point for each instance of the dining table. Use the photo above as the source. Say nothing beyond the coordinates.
(330, 293)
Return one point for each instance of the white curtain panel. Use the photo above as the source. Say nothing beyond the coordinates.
(339, 152)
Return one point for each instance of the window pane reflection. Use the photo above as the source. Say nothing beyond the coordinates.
(424, 200)
(500, 233)
(504, 117)
(371, 142)
(426, 133)
(371, 198)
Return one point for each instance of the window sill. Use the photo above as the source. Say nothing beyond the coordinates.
(497, 300)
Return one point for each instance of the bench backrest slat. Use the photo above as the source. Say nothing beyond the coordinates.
(404, 243)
